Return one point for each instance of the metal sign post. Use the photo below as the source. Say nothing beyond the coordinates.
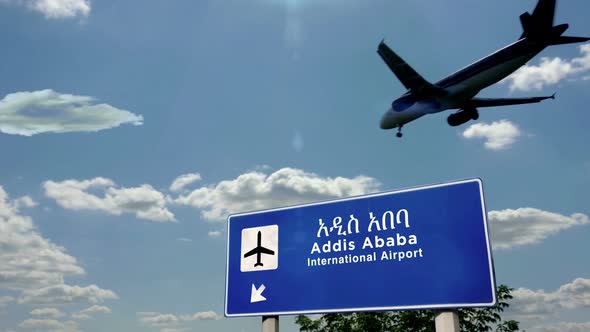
(270, 323)
(447, 321)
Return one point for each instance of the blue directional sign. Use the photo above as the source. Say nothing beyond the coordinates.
(418, 248)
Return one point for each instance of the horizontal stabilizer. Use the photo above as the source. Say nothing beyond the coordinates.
(492, 102)
(568, 40)
(406, 74)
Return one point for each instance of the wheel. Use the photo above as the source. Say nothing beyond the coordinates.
(398, 134)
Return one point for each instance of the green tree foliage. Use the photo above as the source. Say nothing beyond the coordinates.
(471, 320)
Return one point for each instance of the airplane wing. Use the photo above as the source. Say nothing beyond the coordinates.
(251, 252)
(492, 102)
(266, 251)
(406, 74)
(256, 250)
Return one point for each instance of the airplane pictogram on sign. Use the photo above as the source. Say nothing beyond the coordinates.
(260, 247)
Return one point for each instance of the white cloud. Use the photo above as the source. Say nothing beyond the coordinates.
(55, 8)
(27, 260)
(80, 316)
(204, 315)
(184, 180)
(25, 201)
(4, 300)
(144, 201)
(498, 135)
(50, 325)
(48, 312)
(512, 228)
(61, 8)
(41, 324)
(89, 312)
(46, 111)
(530, 304)
(168, 329)
(159, 319)
(550, 71)
(63, 294)
(214, 233)
(257, 190)
(563, 327)
(171, 322)
(184, 239)
(97, 309)
(36, 268)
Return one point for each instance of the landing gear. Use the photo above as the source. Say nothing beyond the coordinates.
(399, 131)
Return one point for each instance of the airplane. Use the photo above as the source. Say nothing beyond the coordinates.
(258, 251)
(458, 90)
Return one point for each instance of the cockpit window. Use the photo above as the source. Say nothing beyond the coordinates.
(403, 103)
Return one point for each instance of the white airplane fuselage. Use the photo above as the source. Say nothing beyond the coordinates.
(462, 85)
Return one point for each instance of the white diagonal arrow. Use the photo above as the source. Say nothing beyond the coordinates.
(256, 295)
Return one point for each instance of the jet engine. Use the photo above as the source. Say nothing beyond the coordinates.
(459, 118)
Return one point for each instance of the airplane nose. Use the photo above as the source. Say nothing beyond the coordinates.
(387, 120)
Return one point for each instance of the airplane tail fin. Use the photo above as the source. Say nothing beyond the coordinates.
(538, 23)
(539, 26)
(527, 25)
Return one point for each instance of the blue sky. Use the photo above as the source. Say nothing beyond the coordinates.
(130, 129)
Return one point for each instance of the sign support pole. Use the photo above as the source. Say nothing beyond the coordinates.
(271, 324)
(447, 321)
